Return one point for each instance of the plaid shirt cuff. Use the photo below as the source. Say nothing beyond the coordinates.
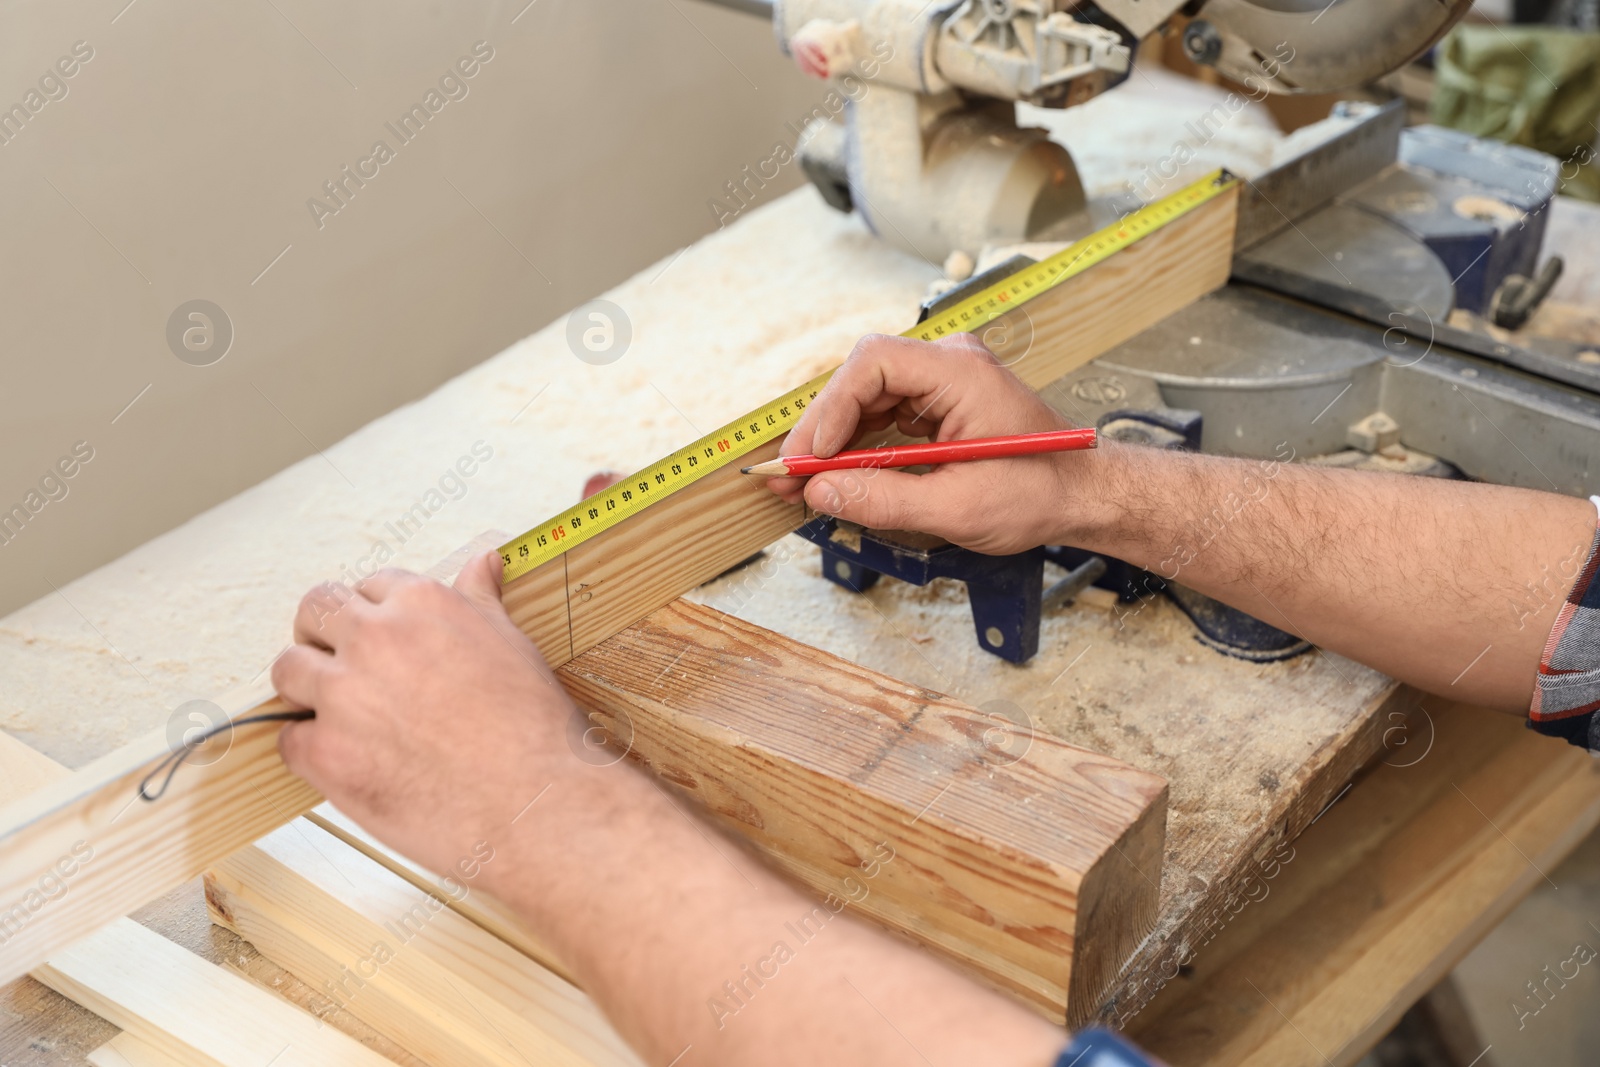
(1567, 697)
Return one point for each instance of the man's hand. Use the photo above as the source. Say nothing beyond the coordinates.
(1450, 586)
(948, 390)
(437, 719)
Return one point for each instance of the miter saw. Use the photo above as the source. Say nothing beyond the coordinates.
(930, 152)
(1377, 277)
(1376, 282)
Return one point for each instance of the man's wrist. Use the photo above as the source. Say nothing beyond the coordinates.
(585, 815)
(1090, 508)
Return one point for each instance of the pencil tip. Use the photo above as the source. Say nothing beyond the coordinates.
(746, 470)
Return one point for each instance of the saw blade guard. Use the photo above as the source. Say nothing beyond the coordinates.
(1314, 46)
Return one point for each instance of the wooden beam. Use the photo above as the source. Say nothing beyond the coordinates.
(566, 606)
(618, 577)
(396, 958)
(1031, 862)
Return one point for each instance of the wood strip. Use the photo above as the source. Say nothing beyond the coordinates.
(587, 596)
(390, 954)
(133, 851)
(1032, 862)
(178, 1004)
(125, 1050)
(611, 581)
(479, 908)
(1380, 899)
(191, 1010)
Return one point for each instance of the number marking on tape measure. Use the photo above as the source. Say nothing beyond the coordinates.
(716, 450)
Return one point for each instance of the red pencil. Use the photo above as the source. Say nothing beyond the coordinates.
(1024, 444)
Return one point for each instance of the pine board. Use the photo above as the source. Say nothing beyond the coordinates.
(179, 1005)
(425, 977)
(1032, 862)
(190, 1010)
(479, 908)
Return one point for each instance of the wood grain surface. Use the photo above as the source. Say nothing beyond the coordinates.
(1032, 862)
(214, 805)
(190, 1010)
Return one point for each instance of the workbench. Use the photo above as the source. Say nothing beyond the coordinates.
(1275, 944)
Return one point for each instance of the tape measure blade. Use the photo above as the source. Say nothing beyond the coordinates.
(716, 450)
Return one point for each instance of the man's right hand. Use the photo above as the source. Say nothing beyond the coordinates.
(947, 390)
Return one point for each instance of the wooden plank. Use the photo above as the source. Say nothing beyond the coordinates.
(1032, 862)
(132, 851)
(1378, 901)
(33, 1014)
(178, 1004)
(417, 972)
(577, 601)
(191, 1010)
(125, 1050)
(611, 581)
(479, 908)
(37, 1016)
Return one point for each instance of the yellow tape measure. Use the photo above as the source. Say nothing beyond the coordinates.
(716, 450)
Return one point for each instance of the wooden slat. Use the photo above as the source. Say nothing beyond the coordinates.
(191, 1010)
(145, 850)
(387, 952)
(478, 908)
(125, 1050)
(1380, 899)
(611, 581)
(1032, 862)
(138, 850)
(178, 1004)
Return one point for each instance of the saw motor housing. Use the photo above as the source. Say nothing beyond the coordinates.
(930, 152)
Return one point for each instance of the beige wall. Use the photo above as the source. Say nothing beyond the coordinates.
(179, 162)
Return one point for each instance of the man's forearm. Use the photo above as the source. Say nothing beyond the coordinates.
(1450, 586)
(698, 950)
